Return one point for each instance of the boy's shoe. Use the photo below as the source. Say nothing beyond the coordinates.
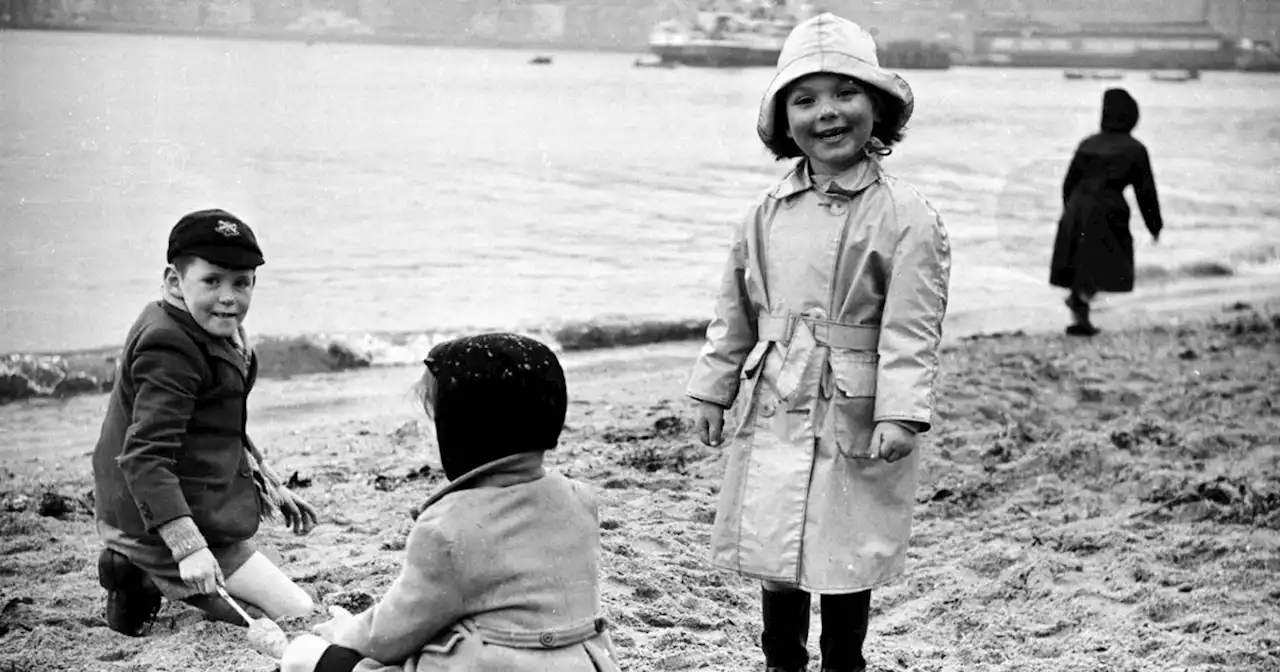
(132, 599)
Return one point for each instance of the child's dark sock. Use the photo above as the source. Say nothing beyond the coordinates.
(786, 629)
(844, 629)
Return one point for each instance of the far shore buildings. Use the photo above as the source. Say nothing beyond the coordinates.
(626, 24)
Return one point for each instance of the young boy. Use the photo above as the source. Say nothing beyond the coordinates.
(176, 478)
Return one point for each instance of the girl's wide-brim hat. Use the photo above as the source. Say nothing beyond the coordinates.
(828, 43)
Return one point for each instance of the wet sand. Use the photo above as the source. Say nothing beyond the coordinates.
(1111, 503)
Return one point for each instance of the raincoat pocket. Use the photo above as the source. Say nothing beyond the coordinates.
(850, 399)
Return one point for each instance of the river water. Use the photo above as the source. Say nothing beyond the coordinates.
(403, 190)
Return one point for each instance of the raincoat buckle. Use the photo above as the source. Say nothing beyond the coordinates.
(777, 328)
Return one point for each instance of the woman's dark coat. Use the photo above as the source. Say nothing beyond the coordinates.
(1094, 249)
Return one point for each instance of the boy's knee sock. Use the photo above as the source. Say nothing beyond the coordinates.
(786, 628)
(844, 629)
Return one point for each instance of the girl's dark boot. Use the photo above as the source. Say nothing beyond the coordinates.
(844, 629)
(786, 630)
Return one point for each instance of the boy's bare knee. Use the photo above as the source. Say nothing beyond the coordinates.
(300, 604)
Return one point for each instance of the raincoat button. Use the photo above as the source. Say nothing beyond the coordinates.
(547, 639)
(838, 208)
(767, 409)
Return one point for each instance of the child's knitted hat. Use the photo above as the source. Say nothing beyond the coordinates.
(496, 394)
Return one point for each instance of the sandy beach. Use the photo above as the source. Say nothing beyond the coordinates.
(1110, 504)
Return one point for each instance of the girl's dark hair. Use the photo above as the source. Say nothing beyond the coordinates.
(888, 130)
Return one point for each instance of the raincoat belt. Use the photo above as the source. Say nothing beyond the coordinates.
(801, 335)
(543, 639)
(781, 328)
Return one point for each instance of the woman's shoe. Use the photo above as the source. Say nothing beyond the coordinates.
(1082, 330)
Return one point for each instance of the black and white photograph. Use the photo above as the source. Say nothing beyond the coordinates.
(640, 335)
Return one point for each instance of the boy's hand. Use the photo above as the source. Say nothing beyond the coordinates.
(892, 442)
(297, 513)
(710, 423)
(200, 570)
(337, 618)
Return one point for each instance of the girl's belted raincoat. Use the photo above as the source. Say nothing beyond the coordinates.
(828, 320)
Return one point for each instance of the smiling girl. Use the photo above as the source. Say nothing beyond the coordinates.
(828, 321)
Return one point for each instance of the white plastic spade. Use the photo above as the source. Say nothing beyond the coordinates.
(264, 635)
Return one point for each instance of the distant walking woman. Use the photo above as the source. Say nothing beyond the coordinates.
(1094, 249)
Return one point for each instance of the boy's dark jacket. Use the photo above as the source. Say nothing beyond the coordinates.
(173, 440)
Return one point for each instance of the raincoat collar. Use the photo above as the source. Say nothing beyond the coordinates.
(848, 184)
(510, 470)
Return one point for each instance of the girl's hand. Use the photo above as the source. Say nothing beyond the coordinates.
(338, 617)
(200, 570)
(710, 423)
(297, 513)
(892, 442)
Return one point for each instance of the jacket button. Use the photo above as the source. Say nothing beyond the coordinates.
(767, 409)
(547, 639)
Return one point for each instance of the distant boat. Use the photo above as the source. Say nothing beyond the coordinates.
(720, 41)
(1259, 58)
(540, 60)
(1175, 75)
(1093, 74)
(643, 62)
(724, 40)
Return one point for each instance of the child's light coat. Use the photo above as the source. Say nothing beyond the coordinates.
(501, 572)
(868, 265)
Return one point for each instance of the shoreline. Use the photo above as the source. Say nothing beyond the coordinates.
(1035, 310)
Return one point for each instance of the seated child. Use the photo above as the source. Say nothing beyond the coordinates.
(501, 568)
(179, 488)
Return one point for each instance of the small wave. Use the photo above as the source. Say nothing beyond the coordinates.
(399, 348)
(1195, 269)
(28, 375)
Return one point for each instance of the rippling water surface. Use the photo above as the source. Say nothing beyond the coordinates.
(399, 189)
